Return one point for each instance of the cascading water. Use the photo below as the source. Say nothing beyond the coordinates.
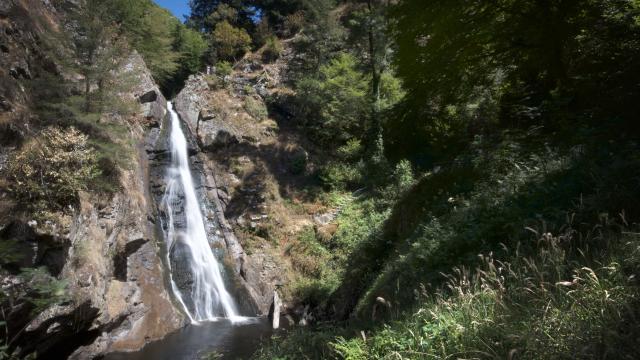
(203, 294)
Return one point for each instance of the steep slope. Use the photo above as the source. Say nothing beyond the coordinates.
(259, 168)
(107, 248)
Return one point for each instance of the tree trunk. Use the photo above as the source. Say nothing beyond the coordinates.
(374, 132)
(87, 91)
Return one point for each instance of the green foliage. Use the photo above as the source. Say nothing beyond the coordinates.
(321, 261)
(290, 16)
(44, 290)
(544, 76)
(550, 304)
(402, 179)
(255, 107)
(191, 46)
(224, 68)
(34, 289)
(229, 42)
(207, 14)
(96, 52)
(311, 255)
(335, 103)
(272, 49)
(223, 12)
(50, 169)
(155, 43)
(8, 253)
(148, 28)
(340, 176)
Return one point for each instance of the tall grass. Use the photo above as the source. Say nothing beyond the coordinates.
(509, 253)
(556, 302)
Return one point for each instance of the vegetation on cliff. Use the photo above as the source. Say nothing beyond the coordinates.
(481, 157)
(483, 169)
(71, 130)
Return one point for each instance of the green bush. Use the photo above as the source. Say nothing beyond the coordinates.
(339, 175)
(230, 42)
(335, 102)
(224, 68)
(256, 108)
(272, 49)
(351, 151)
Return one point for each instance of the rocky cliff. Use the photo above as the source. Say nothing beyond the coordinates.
(257, 169)
(107, 249)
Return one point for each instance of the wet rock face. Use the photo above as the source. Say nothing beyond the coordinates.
(180, 258)
(223, 120)
(226, 247)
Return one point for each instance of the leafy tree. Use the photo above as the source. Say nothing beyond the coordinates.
(96, 51)
(540, 61)
(223, 12)
(191, 46)
(336, 101)
(156, 43)
(322, 39)
(206, 14)
(230, 42)
(368, 25)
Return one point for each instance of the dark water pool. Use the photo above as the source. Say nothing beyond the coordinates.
(231, 341)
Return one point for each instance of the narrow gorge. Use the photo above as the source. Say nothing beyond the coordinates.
(319, 179)
(147, 260)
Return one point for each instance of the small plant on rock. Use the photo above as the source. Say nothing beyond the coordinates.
(272, 49)
(255, 108)
(224, 68)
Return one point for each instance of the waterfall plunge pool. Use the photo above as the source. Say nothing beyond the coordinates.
(196, 341)
(204, 297)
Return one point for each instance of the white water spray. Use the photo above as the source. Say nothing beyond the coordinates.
(207, 294)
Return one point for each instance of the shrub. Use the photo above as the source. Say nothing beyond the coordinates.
(402, 178)
(352, 150)
(308, 255)
(224, 68)
(255, 108)
(272, 49)
(294, 22)
(298, 161)
(230, 42)
(335, 102)
(50, 169)
(339, 176)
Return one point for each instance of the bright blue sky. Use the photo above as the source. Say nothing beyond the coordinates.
(177, 7)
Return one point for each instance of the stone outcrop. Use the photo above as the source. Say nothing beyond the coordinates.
(107, 250)
(135, 294)
(215, 129)
(113, 267)
(244, 157)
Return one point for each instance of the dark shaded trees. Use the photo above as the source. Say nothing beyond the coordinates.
(512, 63)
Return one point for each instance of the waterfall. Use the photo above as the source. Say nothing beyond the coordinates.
(201, 292)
